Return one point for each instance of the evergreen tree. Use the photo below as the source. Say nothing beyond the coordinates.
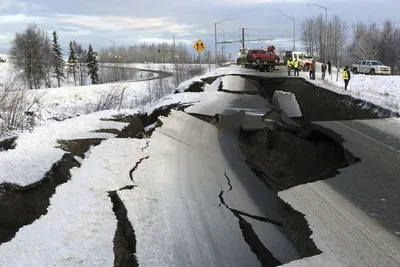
(58, 61)
(72, 60)
(92, 65)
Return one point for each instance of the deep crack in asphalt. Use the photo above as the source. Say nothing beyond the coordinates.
(265, 257)
(136, 166)
(124, 238)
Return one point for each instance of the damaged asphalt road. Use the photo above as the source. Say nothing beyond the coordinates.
(195, 201)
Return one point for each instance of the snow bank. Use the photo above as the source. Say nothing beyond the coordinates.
(80, 225)
(383, 91)
(36, 152)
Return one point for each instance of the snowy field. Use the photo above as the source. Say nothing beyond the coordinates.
(70, 101)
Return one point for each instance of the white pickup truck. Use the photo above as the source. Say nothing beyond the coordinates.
(370, 67)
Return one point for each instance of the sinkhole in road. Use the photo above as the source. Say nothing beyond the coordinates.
(283, 159)
(285, 156)
(319, 104)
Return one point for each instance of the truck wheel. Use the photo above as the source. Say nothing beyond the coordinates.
(372, 72)
(270, 68)
(355, 71)
(258, 61)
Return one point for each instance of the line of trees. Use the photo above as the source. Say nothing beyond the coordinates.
(371, 42)
(37, 59)
(156, 53)
(313, 35)
(368, 41)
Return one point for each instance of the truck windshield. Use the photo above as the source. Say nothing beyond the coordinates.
(376, 63)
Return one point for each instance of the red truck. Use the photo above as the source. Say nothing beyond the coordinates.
(260, 56)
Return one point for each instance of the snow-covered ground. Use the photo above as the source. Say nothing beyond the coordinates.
(383, 91)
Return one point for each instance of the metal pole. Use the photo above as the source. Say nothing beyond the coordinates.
(243, 38)
(294, 34)
(326, 25)
(223, 43)
(216, 48)
(215, 38)
(223, 46)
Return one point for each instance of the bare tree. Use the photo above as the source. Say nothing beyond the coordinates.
(313, 32)
(365, 44)
(31, 53)
(16, 104)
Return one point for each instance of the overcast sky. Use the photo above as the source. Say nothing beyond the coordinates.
(131, 21)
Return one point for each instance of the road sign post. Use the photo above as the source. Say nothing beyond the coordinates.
(199, 46)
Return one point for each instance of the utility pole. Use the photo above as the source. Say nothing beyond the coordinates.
(215, 38)
(243, 38)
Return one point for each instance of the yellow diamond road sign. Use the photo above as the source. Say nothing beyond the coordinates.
(199, 46)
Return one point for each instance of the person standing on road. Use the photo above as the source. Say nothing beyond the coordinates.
(289, 66)
(323, 69)
(330, 67)
(296, 67)
(346, 77)
(312, 68)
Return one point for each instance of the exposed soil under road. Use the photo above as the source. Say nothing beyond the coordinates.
(21, 206)
(283, 159)
(7, 143)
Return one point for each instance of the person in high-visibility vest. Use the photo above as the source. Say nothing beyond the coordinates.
(289, 66)
(296, 67)
(346, 77)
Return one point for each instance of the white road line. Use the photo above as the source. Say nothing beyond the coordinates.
(379, 142)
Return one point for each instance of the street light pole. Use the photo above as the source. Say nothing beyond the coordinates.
(223, 45)
(326, 27)
(174, 59)
(215, 38)
(173, 51)
(294, 29)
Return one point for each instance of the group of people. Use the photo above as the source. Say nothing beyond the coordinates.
(293, 65)
(312, 67)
